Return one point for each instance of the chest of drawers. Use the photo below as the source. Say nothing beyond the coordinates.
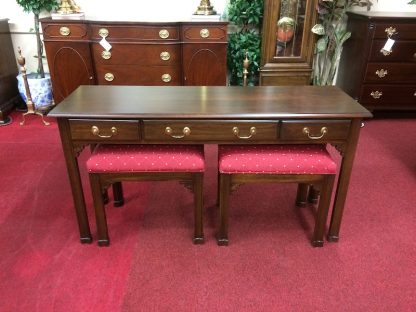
(141, 53)
(380, 79)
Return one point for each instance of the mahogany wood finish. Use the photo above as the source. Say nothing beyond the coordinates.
(9, 95)
(169, 54)
(287, 69)
(376, 80)
(100, 181)
(205, 110)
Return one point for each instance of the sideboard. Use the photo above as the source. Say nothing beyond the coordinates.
(139, 53)
(377, 78)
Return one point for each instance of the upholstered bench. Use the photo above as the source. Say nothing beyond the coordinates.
(109, 164)
(308, 164)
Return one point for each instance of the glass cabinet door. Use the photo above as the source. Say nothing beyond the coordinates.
(287, 42)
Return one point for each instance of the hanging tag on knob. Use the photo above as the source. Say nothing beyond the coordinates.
(105, 44)
(388, 45)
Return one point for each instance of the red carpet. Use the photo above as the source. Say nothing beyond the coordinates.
(152, 264)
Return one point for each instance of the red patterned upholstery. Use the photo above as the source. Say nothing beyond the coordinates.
(275, 159)
(147, 158)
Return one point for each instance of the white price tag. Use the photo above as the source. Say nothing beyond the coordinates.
(105, 44)
(389, 44)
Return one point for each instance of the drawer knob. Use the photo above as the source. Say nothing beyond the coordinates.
(96, 131)
(236, 132)
(64, 31)
(164, 33)
(381, 72)
(204, 33)
(307, 131)
(166, 78)
(390, 31)
(385, 52)
(103, 32)
(109, 77)
(186, 132)
(164, 56)
(106, 55)
(376, 94)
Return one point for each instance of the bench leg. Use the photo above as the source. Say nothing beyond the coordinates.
(224, 196)
(302, 194)
(118, 194)
(100, 217)
(199, 204)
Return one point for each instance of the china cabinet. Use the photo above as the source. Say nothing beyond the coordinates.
(287, 42)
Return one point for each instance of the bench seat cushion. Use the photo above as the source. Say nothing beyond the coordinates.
(275, 159)
(146, 158)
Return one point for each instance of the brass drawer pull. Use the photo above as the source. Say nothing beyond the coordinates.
(376, 94)
(186, 132)
(166, 78)
(385, 52)
(306, 130)
(390, 31)
(164, 56)
(236, 132)
(109, 77)
(103, 32)
(64, 31)
(381, 72)
(204, 33)
(106, 55)
(163, 33)
(96, 131)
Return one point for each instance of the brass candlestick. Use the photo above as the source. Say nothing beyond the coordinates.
(29, 103)
(205, 8)
(68, 7)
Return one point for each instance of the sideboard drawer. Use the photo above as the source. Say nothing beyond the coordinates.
(204, 33)
(200, 130)
(403, 51)
(401, 31)
(136, 54)
(139, 33)
(390, 73)
(105, 130)
(382, 94)
(66, 31)
(312, 130)
(139, 75)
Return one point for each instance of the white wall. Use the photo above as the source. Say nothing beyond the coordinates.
(20, 22)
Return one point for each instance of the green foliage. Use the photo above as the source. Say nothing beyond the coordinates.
(332, 29)
(412, 2)
(36, 7)
(247, 15)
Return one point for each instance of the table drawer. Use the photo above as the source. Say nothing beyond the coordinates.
(138, 54)
(105, 130)
(138, 75)
(199, 130)
(65, 31)
(314, 130)
(403, 51)
(138, 33)
(390, 73)
(204, 33)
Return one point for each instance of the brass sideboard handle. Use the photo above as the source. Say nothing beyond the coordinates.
(381, 72)
(376, 94)
(414, 94)
(164, 56)
(306, 130)
(103, 32)
(106, 55)
(204, 33)
(236, 132)
(166, 78)
(96, 131)
(414, 55)
(64, 31)
(163, 33)
(390, 31)
(109, 77)
(385, 52)
(186, 132)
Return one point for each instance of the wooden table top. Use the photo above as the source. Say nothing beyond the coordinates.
(187, 102)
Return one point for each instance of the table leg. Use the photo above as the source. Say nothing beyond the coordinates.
(75, 181)
(343, 181)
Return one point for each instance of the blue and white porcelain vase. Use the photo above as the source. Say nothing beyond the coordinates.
(40, 90)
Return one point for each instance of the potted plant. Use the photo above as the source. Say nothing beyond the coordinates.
(245, 40)
(332, 29)
(39, 82)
